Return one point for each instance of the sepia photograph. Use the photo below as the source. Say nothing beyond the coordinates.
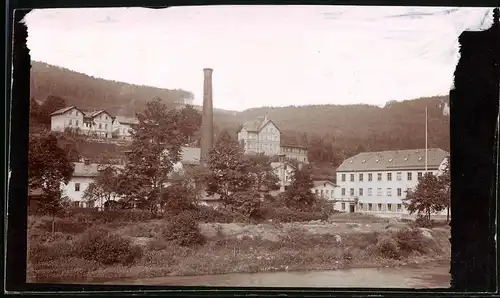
(242, 146)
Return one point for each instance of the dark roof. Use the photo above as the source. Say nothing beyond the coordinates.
(85, 170)
(64, 110)
(394, 160)
(256, 125)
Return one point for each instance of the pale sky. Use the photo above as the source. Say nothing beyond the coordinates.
(263, 55)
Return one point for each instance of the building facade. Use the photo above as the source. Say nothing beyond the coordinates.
(260, 136)
(297, 153)
(123, 126)
(324, 189)
(377, 182)
(97, 123)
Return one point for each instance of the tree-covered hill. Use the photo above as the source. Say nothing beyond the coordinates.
(94, 93)
(331, 132)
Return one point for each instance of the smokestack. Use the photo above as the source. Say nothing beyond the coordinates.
(207, 122)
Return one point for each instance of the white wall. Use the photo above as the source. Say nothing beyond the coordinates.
(376, 198)
(70, 190)
(123, 129)
(103, 125)
(327, 192)
(72, 118)
(269, 139)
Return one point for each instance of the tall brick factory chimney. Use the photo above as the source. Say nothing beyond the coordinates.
(207, 122)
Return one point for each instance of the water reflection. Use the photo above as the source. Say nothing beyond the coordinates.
(429, 276)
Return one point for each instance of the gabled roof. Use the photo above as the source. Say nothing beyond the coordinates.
(127, 120)
(96, 113)
(394, 160)
(319, 183)
(256, 125)
(64, 110)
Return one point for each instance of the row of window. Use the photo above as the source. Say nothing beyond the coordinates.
(325, 193)
(294, 150)
(77, 123)
(379, 207)
(399, 192)
(409, 176)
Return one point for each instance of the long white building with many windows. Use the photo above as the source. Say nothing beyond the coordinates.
(376, 182)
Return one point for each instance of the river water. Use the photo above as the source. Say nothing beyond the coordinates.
(424, 276)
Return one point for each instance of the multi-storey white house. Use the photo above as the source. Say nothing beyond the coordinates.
(324, 189)
(260, 136)
(68, 117)
(122, 126)
(90, 123)
(376, 182)
(99, 123)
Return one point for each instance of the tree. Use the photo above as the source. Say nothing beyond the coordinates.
(260, 170)
(51, 104)
(48, 167)
(299, 194)
(190, 121)
(105, 187)
(427, 197)
(178, 198)
(445, 181)
(34, 111)
(156, 147)
(195, 177)
(228, 167)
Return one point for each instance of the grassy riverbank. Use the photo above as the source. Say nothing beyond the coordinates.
(144, 251)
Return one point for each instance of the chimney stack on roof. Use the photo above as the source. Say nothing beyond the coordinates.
(207, 116)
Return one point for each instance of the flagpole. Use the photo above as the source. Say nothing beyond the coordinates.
(426, 139)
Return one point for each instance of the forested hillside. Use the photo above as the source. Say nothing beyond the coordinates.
(331, 132)
(92, 93)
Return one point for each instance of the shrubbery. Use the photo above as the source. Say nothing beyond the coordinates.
(423, 222)
(411, 240)
(247, 204)
(183, 230)
(221, 215)
(101, 246)
(284, 214)
(388, 248)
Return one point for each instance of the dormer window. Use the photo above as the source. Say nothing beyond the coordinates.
(406, 158)
(390, 160)
(420, 158)
(350, 161)
(364, 160)
(377, 160)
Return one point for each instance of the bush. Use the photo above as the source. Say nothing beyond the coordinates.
(209, 215)
(178, 198)
(388, 248)
(101, 246)
(411, 240)
(247, 204)
(423, 222)
(183, 230)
